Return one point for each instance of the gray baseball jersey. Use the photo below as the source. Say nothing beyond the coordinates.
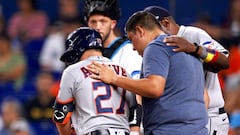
(199, 36)
(97, 105)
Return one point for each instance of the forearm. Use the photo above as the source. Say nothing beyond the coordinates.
(220, 63)
(151, 86)
(64, 129)
(206, 98)
(144, 87)
(214, 59)
(135, 130)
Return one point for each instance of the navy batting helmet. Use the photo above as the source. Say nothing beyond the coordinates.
(78, 42)
(108, 8)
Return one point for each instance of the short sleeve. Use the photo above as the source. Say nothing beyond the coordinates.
(156, 61)
(207, 41)
(66, 87)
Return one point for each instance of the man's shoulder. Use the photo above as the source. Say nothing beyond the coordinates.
(73, 67)
(159, 41)
(192, 29)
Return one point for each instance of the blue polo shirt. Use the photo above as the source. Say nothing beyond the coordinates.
(181, 109)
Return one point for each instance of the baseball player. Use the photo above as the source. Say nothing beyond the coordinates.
(103, 15)
(213, 55)
(96, 108)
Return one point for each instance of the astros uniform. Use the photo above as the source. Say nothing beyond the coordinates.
(218, 119)
(97, 105)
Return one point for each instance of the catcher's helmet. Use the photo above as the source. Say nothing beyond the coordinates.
(108, 8)
(78, 42)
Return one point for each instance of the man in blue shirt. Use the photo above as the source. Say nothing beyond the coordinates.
(172, 83)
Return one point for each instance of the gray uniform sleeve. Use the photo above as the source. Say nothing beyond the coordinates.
(66, 87)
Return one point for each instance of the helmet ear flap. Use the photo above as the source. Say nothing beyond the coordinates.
(70, 57)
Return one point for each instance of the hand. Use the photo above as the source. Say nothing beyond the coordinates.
(182, 44)
(102, 72)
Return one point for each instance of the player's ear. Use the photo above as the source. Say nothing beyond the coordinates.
(165, 22)
(113, 24)
(139, 30)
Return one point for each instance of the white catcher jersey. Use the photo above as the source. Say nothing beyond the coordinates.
(199, 36)
(97, 105)
(129, 59)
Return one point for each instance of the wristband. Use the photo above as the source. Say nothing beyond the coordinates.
(196, 51)
(209, 57)
(204, 53)
(215, 57)
(135, 116)
(212, 56)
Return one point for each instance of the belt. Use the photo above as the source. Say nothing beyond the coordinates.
(221, 110)
(99, 132)
(103, 132)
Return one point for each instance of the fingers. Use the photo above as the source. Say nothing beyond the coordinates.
(94, 76)
(96, 64)
(171, 40)
(177, 50)
(171, 44)
(94, 69)
(180, 44)
(102, 72)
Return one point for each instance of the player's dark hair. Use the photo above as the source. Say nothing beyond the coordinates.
(141, 18)
(109, 8)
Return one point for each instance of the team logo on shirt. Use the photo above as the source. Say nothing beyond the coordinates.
(58, 115)
(209, 44)
(97, 42)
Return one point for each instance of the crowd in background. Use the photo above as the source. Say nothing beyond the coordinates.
(30, 69)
